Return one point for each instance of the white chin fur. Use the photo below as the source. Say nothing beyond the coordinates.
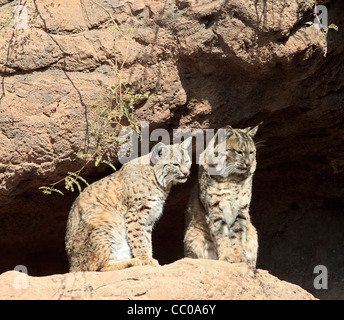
(179, 181)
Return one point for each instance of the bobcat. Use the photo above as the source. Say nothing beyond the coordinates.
(218, 224)
(110, 224)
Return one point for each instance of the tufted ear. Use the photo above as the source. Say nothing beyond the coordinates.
(252, 131)
(222, 134)
(160, 151)
(186, 143)
(229, 130)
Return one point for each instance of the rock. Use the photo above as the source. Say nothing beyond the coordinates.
(205, 64)
(185, 279)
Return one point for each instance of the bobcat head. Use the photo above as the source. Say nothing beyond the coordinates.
(232, 152)
(171, 163)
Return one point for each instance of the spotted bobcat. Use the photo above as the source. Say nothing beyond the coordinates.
(110, 224)
(218, 224)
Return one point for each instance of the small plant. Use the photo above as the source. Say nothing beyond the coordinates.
(321, 19)
(119, 105)
(331, 26)
(110, 118)
(113, 112)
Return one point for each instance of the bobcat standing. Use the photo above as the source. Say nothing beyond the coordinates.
(110, 224)
(218, 224)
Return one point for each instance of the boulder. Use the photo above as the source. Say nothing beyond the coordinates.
(185, 279)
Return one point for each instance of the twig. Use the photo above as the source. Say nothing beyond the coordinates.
(107, 11)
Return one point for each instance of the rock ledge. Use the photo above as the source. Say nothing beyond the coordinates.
(183, 279)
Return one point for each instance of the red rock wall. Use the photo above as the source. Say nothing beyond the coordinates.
(205, 64)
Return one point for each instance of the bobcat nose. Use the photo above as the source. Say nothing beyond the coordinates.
(185, 171)
(248, 164)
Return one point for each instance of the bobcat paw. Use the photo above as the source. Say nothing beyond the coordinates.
(233, 259)
(150, 262)
(135, 263)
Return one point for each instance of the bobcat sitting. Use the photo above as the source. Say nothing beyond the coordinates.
(110, 224)
(218, 224)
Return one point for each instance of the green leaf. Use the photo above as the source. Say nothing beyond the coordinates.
(126, 111)
(48, 190)
(69, 183)
(98, 159)
(81, 155)
(96, 102)
(45, 190)
(78, 185)
(333, 26)
(109, 164)
(84, 181)
(58, 191)
(79, 177)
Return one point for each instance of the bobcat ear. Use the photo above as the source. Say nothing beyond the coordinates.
(186, 143)
(229, 130)
(252, 131)
(159, 151)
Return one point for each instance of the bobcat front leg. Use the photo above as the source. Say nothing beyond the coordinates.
(140, 236)
(251, 245)
(220, 218)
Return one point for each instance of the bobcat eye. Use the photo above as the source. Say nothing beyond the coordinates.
(239, 152)
(176, 164)
(251, 152)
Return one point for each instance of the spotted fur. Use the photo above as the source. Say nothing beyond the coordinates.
(110, 224)
(218, 224)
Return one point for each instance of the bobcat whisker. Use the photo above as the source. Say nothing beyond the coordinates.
(170, 179)
(260, 144)
(231, 168)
